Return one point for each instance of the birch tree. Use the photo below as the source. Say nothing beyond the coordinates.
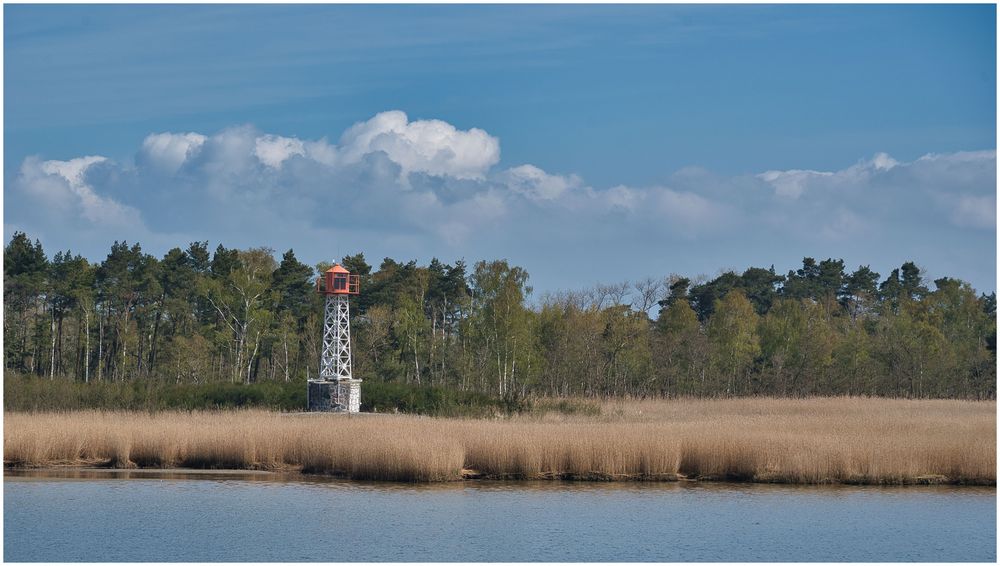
(501, 322)
(241, 299)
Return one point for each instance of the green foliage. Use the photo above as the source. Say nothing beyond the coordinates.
(760, 287)
(732, 331)
(797, 346)
(822, 281)
(27, 393)
(890, 291)
(681, 352)
(24, 277)
(500, 326)
(911, 281)
(384, 397)
(292, 287)
(860, 291)
(238, 328)
(224, 261)
(704, 297)
(626, 357)
(21, 257)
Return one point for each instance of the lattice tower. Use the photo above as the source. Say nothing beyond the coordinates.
(336, 362)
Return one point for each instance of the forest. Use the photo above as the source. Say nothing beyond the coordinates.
(232, 316)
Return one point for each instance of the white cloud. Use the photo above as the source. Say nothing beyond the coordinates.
(975, 211)
(842, 224)
(691, 214)
(427, 187)
(481, 212)
(961, 157)
(321, 151)
(791, 183)
(957, 187)
(168, 151)
(433, 147)
(229, 161)
(427, 146)
(63, 186)
(883, 162)
(538, 185)
(71, 171)
(622, 197)
(273, 150)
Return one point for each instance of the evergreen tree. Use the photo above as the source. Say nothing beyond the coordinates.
(198, 257)
(911, 281)
(803, 283)
(890, 291)
(25, 269)
(760, 287)
(860, 291)
(704, 297)
(678, 290)
(224, 261)
(292, 285)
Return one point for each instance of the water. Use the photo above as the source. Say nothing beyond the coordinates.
(157, 516)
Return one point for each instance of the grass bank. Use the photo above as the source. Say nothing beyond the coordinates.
(822, 440)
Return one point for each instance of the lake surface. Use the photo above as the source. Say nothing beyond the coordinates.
(162, 516)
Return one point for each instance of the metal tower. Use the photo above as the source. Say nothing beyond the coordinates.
(336, 390)
(336, 361)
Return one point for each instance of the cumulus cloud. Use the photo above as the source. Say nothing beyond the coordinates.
(791, 183)
(273, 150)
(425, 187)
(428, 146)
(433, 147)
(62, 185)
(538, 185)
(959, 187)
(230, 155)
(167, 151)
(883, 162)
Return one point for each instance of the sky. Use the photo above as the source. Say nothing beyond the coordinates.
(587, 144)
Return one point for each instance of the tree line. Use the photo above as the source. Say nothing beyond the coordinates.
(243, 316)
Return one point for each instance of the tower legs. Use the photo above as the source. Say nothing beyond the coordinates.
(336, 389)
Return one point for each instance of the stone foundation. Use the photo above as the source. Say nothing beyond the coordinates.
(335, 396)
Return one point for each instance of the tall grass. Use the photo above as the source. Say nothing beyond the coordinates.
(821, 440)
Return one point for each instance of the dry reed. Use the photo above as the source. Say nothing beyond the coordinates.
(846, 440)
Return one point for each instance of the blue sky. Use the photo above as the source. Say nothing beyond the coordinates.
(645, 139)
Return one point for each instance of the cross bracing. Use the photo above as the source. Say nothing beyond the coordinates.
(336, 362)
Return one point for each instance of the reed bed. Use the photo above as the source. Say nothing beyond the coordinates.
(822, 440)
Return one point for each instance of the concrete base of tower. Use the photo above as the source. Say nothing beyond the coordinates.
(343, 396)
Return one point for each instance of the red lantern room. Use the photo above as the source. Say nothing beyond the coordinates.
(338, 281)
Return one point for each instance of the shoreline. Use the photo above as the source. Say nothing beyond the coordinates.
(95, 470)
